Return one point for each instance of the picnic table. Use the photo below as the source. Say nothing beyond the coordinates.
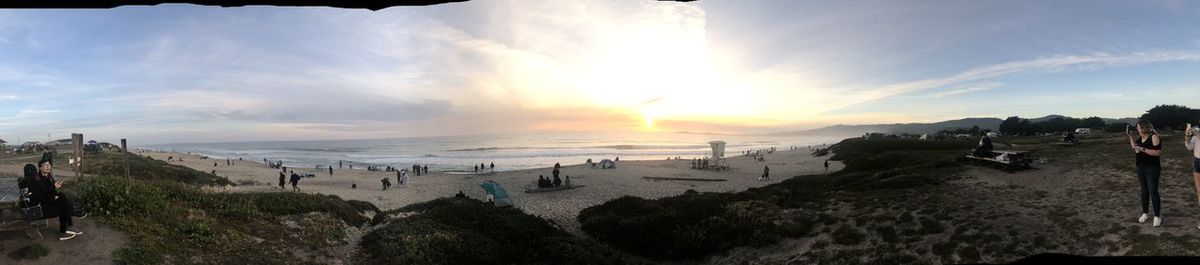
(1003, 159)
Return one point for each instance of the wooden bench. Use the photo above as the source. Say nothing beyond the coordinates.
(13, 218)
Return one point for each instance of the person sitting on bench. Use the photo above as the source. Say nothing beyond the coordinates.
(985, 147)
(1069, 138)
(44, 191)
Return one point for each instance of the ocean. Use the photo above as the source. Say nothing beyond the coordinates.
(507, 151)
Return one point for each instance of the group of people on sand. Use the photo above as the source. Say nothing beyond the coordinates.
(759, 155)
(41, 189)
(699, 163)
(491, 167)
(294, 180)
(553, 182)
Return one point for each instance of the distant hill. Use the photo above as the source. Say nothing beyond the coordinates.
(1106, 120)
(913, 128)
(922, 128)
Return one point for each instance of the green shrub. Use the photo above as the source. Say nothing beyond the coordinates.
(467, 231)
(31, 252)
(136, 254)
(887, 234)
(846, 235)
(930, 226)
(687, 226)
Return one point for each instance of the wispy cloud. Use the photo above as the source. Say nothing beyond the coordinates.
(1054, 64)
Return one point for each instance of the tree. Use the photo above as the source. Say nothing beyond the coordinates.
(1092, 122)
(1011, 126)
(1115, 127)
(974, 130)
(1170, 116)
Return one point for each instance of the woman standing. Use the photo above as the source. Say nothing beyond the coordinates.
(1148, 147)
(1192, 140)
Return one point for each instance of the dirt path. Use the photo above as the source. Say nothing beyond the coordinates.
(95, 246)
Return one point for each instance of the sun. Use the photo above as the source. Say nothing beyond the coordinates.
(648, 120)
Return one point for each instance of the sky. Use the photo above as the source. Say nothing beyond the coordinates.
(185, 73)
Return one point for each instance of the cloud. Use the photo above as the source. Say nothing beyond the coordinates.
(965, 90)
(1054, 64)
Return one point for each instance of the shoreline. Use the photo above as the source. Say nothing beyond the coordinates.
(562, 207)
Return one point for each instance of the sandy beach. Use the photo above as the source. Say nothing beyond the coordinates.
(562, 207)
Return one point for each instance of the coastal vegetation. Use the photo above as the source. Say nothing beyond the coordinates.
(468, 231)
(172, 220)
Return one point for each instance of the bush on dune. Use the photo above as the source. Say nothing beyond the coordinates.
(467, 231)
(688, 226)
(695, 225)
(140, 167)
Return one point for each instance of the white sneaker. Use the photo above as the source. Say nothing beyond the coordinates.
(74, 233)
(66, 237)
(1143, 218)
(1157, 221)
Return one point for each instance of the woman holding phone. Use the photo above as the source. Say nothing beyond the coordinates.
(1192, 141)
(1147, 147)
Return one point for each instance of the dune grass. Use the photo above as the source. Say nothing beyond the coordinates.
(172, 220)
(110, 163)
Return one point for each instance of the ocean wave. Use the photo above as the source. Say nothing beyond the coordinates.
(640, 147)
(331, 149)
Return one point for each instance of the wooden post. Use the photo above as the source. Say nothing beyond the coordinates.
(77, 156)
(124, 158)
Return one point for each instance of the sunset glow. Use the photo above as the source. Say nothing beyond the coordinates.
(509, 66)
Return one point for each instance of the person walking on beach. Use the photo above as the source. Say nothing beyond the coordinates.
(331, 171)
(403, 177)
(826, 165)
(1192, 140)
(425, 169)
(282, 180)
(766, 173)
(1147, 147)
(492, 165)
(295, 181)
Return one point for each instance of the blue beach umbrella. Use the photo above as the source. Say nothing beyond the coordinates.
(499, 195)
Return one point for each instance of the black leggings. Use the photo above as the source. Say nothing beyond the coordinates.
(63, 209)
(1148, 176)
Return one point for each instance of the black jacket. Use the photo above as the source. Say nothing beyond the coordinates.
(43, 190)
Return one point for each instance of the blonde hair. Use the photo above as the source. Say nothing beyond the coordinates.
(1146, 124)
